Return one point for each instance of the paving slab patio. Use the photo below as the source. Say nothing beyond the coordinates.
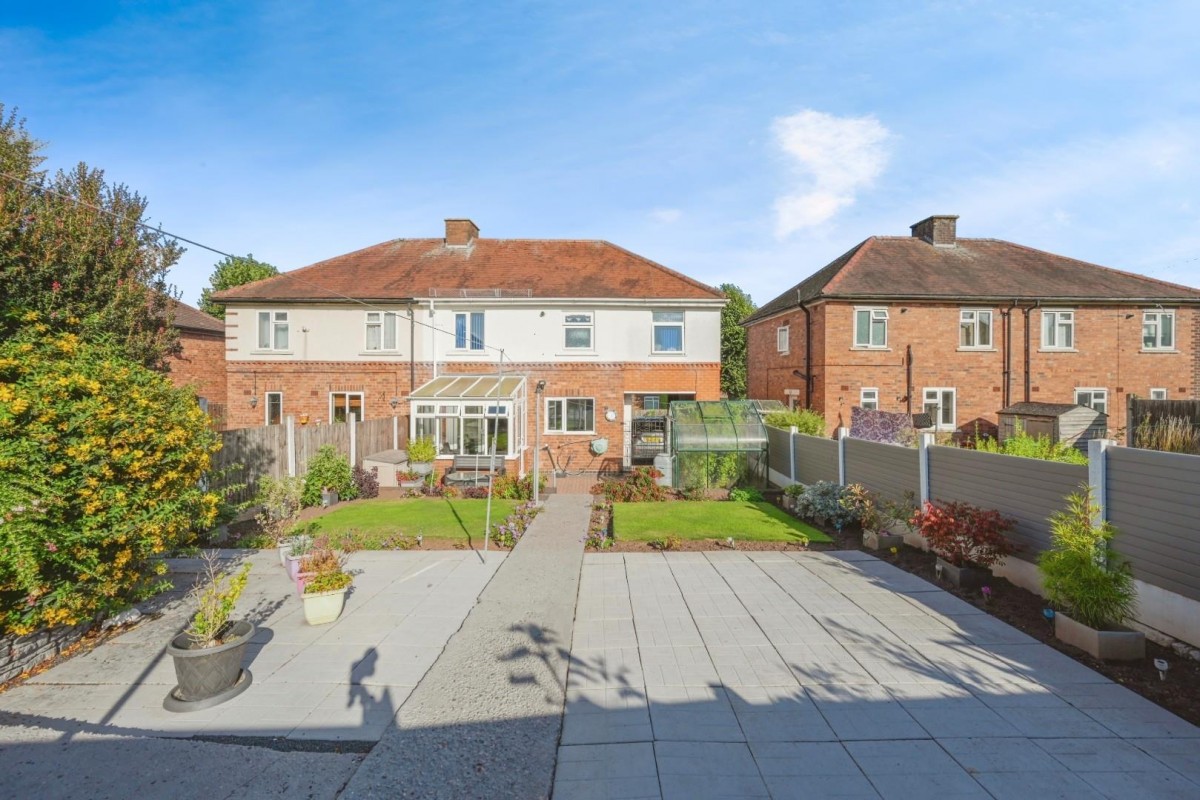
(341, 681)
(797, 675)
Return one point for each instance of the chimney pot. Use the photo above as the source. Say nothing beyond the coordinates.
(461, 232)
(939, 230)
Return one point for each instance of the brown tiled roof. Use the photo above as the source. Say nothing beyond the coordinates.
(196, 320)
(406, 268)
(902, 267)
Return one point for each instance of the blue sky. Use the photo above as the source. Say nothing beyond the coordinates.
(742, 142)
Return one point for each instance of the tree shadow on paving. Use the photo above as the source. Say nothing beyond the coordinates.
(545, 647)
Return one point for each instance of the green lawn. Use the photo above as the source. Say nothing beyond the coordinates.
(435, 518)
(709, 519)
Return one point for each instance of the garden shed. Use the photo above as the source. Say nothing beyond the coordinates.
(718, 444)
(1061, 422)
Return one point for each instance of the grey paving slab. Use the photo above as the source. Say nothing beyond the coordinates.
(1163, 785)
(1060, 785)
(1014, 754)
(1099, 755)
(693, 714)
(779, 714)
(811, 771)
(701, 770)
(1181, 755)
(600, 716)
(607, 772)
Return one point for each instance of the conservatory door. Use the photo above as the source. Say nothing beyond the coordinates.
(626, 427)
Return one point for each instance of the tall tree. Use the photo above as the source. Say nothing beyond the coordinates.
(73, 247)
(229, 272)
(733, 340)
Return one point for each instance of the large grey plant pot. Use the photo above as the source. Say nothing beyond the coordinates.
(964, 577)
(883, 540)
(1121, 644)
(208, 676)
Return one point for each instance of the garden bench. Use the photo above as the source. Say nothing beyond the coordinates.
(474, 470)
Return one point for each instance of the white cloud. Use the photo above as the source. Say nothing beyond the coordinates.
(835, 158)
(666, 216)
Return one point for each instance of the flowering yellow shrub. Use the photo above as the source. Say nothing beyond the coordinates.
(100, 468)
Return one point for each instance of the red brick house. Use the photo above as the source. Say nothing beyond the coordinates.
(961, 328)
(200, 362)
(386, 330)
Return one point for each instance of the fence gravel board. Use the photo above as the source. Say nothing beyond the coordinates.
(1026, 489)
(886, 469)
(816, 459)
(1153, 501)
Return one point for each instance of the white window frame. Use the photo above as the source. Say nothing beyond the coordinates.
(1155, 318)
(783, 336)
(939, 396)
(276, 320)
(970, 319)
(589, 326)
(562, 414)
(1162, 393)
(1092, 391)
(473, 342)
(874, 314)
(362, 404)
(656, 324)
(380, 319)
(868, 394)
(1050, 333)
(267, 407)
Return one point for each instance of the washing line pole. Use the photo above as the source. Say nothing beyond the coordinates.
(487, 525)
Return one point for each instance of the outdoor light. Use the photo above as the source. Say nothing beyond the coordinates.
(420, 539)
(938, 571)
(253, 401)
(395, 401)
(1162, 666)
(729, 541)
(541, 387)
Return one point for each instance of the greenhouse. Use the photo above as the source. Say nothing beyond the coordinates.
(719, 444)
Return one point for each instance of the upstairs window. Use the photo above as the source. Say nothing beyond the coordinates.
(868, 399)
(870, 327)
(1158, 330)
(272, 330)
(1058, 330)
(468, 330)
(668, 331)
(381, 330)
(577, 331)
(782, 336)
(1096, 399)
(975, 328)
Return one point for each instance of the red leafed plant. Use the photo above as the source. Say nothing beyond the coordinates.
(965, 535)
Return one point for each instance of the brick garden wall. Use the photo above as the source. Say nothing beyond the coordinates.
(201, 364)
(19, 653)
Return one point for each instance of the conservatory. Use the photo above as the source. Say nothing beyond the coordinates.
(719, 444)
(462, 413)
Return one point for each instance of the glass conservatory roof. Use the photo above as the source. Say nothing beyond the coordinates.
(470, 387)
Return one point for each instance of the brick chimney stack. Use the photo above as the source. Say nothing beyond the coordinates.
(461, 232)
(939, 230)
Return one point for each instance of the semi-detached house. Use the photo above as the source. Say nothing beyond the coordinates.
(471, 338)
(961, 328)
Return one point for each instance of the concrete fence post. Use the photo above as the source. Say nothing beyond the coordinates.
(924, 442)
(792, 454)
(842, 435)
(291, 446)
(352, 422)
(395, 432)
(1098, 478)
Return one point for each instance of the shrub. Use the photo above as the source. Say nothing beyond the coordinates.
(862, 505)
(822, 501)
(510, 531)
(366, 482)
(745, 495)
(328, 582)
(422, 450)
(902, 511)
(510, 487)
(1026, 446)
(667, 543)
(328, 470)
(805, 420)
(639, 486)
(280, 501)
(102, 462)
(693, 493)
(965, 535)
(1082, 576)
(216, 595)
(475, 492)
(710, 470)
(1169, 434)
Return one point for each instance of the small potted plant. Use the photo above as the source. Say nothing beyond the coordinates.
(208, 653)
(864, 506)
(968, 541)
(409, 479)
(1090, 585)
(324, 586)
(421, 455)
(300, 547)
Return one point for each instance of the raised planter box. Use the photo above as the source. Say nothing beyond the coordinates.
(883, 540)
(1116, 645)
(963, 577)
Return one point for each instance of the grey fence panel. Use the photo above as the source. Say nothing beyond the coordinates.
(816, 459)
(779, 446)
(886, 469)
(1154, 501)
(1027, 489)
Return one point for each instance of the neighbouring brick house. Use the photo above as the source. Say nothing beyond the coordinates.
(200, 362)
(613, 335)
(961, 328)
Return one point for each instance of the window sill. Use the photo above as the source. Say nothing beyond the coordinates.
(1165, 351)
(783, 352)
(669, 354)
(1057, 350)
(976, 349)
(869, 349)
(480, 351)
(272, 352)
(577, 354)
(380, 353)
(569, 433)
